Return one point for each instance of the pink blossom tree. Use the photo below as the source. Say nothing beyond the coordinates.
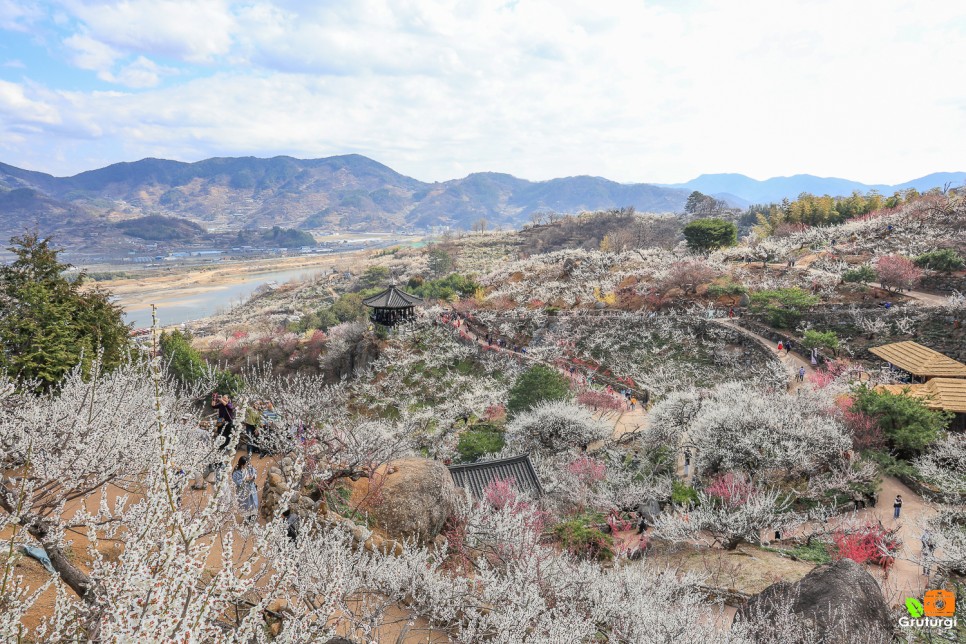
(896, 272)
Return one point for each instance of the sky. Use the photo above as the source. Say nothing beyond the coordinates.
(635, 91)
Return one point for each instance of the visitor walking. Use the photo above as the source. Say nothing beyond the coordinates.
(687, 462)
(928, 546)
(291, 524)
(801, 374)
(897, 506)
(633, 403)
(781, 346)
(245, 488)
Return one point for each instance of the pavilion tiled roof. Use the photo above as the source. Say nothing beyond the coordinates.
(918, 360)
(475, 477)
(392, 298)
(948, 394)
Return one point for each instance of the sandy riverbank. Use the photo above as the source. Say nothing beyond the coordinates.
(140, 292)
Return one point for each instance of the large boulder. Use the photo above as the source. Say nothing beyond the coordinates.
(411, 498)
(838, 603)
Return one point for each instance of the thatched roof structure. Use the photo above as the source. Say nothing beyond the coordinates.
(921, 361)
(948, 394)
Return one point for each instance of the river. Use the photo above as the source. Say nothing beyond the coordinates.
(175, 309)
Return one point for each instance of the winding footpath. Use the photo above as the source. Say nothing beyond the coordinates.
(905, 578)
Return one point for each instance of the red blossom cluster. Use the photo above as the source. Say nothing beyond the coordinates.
(870, 543)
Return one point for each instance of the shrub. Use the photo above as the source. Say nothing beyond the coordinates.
(474, 443)
(726, 287)
(945, 260)
(447, 288)
(862, 275)
(582, 537)
(870, 543)
(682, 494)
(710, 234)
(782, 307)
(536, 385)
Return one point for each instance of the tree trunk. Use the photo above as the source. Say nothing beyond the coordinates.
(39, 529)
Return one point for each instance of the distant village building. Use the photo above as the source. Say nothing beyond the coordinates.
(476, 477)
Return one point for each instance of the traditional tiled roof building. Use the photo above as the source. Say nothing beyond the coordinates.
(475, 477)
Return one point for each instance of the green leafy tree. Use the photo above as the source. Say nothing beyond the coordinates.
(782, 307)
(821, 340)
(349, 308)
(945, 260)
(710, 234)
(374, 277)
(536, 385)
(188, 366)
(908, 425)
(694, 201)
(440, 262)
(48, 323)
(861, 274)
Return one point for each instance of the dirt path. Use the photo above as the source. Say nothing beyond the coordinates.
(792, 361)
(906, 578)
(926, 299)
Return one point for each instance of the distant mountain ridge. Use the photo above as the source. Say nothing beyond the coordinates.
(351, 193)
(744, 188)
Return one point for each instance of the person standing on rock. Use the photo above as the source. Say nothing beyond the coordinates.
(897, 506)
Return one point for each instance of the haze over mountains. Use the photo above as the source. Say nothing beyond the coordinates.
(353, 192)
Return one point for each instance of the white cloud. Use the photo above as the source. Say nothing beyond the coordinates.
(139, 74)
(192, 30)
(631, 90)
(18, 16)
(90, 53)
(21, 112)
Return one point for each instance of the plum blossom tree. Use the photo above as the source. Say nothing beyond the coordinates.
(733, 511)
(555, 427)
(896, 272)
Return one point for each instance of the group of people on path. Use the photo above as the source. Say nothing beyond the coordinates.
(243, 475)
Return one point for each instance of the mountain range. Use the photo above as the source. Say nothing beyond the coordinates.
(351, 193)
(742, 191)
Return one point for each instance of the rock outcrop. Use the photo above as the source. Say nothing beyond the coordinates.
(409, 499)
(837, 603)
(280, 480)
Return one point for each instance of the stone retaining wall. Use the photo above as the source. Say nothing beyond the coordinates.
(944, 283)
